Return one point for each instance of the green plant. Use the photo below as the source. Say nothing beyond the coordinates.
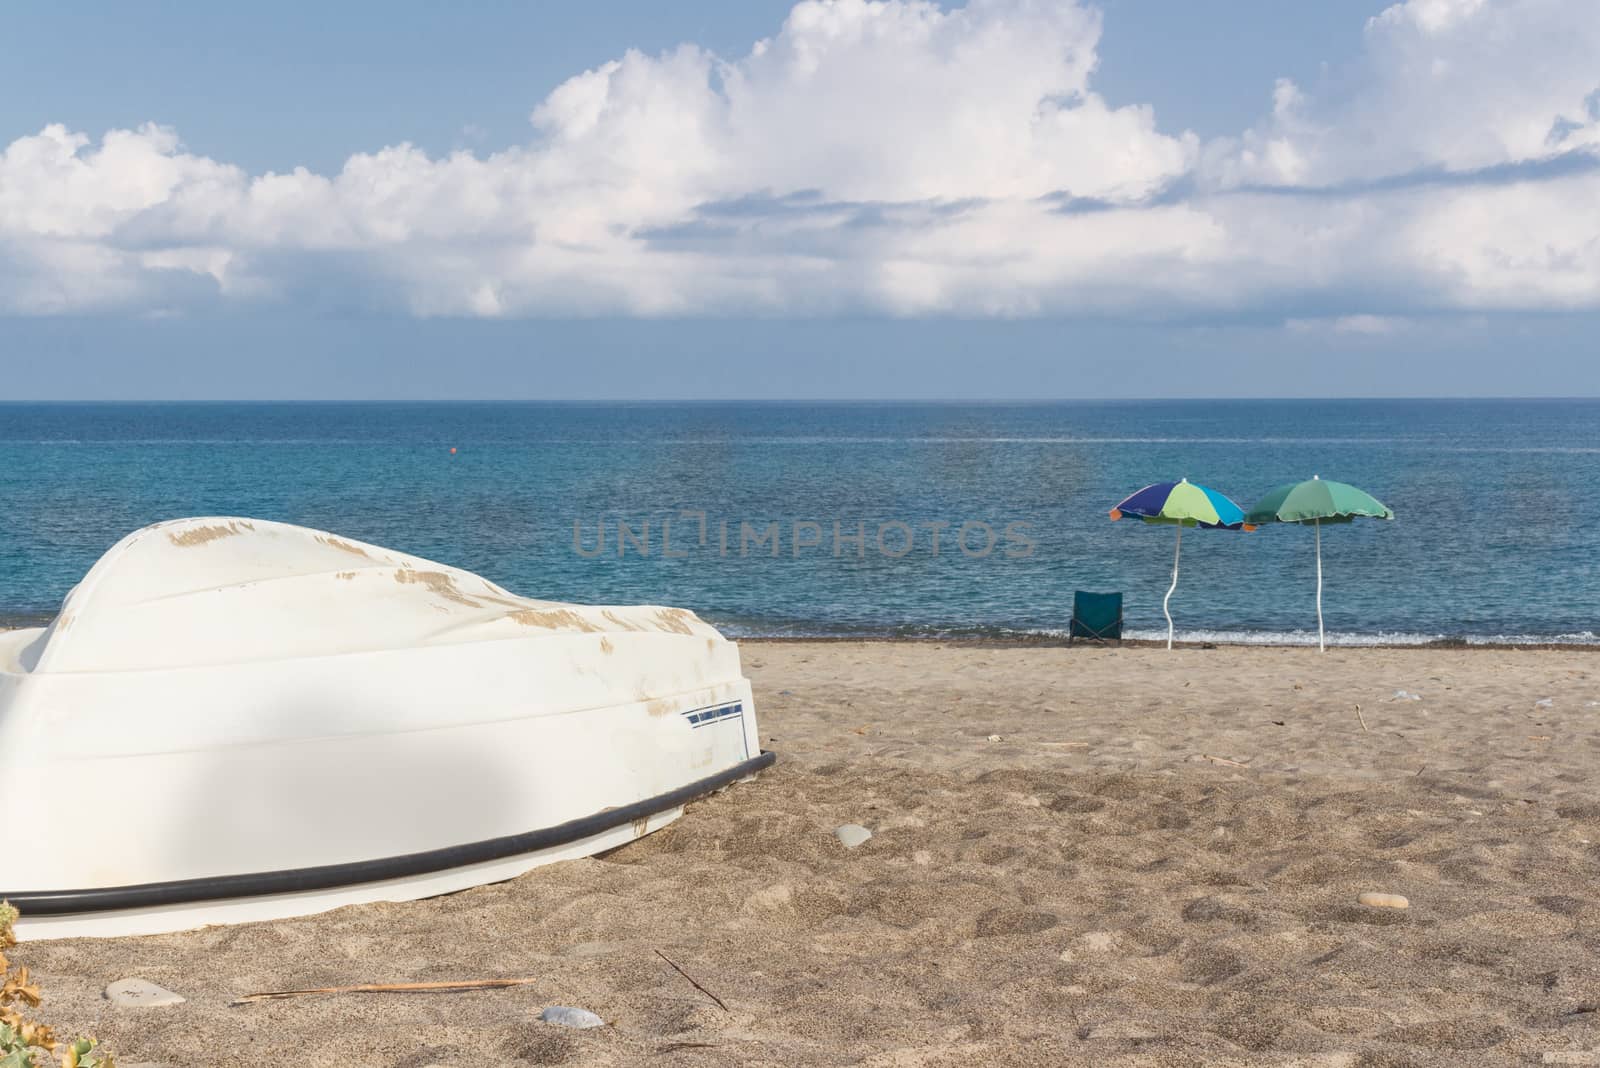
(23, 1043)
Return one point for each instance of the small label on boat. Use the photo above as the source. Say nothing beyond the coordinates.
(703, 717)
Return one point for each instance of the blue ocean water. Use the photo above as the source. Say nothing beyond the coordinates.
(1497, 534)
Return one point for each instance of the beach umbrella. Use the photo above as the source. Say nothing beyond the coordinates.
(1317, 501)
(1181, 504)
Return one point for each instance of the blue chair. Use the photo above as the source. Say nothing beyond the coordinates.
(1096, 617)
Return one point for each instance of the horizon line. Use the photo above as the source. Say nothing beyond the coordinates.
(1031, 401)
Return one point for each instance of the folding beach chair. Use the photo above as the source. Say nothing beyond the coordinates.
(1096, 616)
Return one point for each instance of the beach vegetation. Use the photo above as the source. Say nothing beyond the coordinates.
(25, 1043)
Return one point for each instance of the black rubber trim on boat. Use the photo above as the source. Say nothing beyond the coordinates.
(333, 876)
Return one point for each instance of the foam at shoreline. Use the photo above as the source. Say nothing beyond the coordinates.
(789, 631)
(1221, 636)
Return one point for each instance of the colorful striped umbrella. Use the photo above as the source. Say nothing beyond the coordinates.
(1182, 504)
(1317, 501)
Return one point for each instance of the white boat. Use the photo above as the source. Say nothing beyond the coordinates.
(234, 720)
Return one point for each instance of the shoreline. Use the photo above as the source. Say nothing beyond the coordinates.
(1026, 640)
(1046, 641)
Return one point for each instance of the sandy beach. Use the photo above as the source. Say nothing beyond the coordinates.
(1080, 856)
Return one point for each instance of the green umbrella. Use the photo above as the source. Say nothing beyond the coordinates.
(1317, 502)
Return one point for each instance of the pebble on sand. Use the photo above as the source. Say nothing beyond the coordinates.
(996, 738)
(567, 1016)
(141, 993)
(851, 835)
(1384, 901)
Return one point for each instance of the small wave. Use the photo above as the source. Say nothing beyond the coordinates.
(1359, 639)
(1519, 450)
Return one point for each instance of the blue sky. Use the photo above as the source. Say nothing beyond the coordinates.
(1000, 199)
(311, 83)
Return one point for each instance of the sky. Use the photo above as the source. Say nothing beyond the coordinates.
(828, 199)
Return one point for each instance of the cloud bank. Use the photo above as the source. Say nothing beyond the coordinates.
(892, 158)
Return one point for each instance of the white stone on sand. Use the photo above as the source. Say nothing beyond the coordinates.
(141, 993)
(851, 835)
(567, 1016)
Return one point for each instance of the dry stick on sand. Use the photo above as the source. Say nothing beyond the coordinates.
(1363, 720)
(1224, 760)
(691, 979)
(384, 988)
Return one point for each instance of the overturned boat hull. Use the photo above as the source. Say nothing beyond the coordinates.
(300, 722)
(181, 905)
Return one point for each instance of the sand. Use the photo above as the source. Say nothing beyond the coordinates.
(1080, 856)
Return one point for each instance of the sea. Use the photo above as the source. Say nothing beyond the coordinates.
(945, 520)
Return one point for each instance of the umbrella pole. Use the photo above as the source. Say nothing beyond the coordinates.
(1176, 549)
(1321, 645)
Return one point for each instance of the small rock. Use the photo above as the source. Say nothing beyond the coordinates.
(851, 835)
(141, 993)
(567, 1016)
(995, 738)
(1384, 901)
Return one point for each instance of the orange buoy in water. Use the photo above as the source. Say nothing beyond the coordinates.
(452, 450)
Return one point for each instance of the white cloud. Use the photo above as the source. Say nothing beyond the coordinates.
(1453, 85)
(890, 157)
